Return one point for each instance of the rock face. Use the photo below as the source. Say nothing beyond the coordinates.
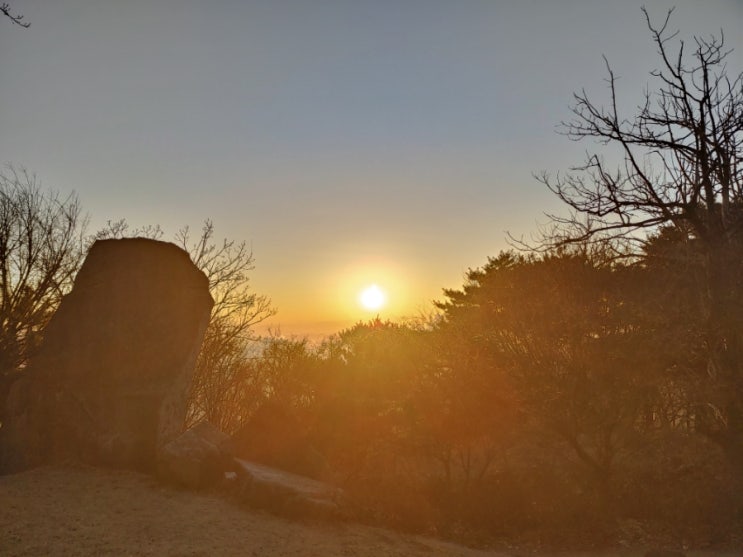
(197, 458)
(110, 382)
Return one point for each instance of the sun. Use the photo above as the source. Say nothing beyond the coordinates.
(372, 297)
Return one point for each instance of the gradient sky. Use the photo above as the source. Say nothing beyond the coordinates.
(348, 142)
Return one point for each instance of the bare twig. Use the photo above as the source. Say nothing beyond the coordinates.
(17, 19)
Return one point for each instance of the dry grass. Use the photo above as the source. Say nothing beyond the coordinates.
(76, 511)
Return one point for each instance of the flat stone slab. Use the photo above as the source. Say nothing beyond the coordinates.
(285, 492)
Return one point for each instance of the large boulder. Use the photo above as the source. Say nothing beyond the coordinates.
(110, 382)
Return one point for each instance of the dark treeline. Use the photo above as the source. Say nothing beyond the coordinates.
(565, 393)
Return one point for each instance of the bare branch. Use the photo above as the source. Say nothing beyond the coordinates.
(690, 129)
(17, 19)
(41, 247)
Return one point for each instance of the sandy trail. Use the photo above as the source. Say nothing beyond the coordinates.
(74, 511)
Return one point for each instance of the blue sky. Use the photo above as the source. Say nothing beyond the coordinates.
(347, 141)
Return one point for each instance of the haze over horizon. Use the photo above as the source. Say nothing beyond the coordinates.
(349, 143)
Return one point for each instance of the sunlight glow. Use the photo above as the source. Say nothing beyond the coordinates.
(372, 297)
(369, 278)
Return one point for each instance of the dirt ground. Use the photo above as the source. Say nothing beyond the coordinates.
(76, 511)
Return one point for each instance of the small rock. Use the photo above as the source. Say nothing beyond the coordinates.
(196, 459)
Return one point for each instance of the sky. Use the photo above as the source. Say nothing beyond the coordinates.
(349, 143)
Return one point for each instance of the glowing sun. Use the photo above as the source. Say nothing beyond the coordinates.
(372, 297)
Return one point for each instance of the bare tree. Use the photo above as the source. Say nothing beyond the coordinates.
(41, 248)
(681, 169)
(221, 368)
(682, 150)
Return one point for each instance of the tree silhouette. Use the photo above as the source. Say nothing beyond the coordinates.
(42, 246)
(561, 332)
(682, 151)
(682, 169)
